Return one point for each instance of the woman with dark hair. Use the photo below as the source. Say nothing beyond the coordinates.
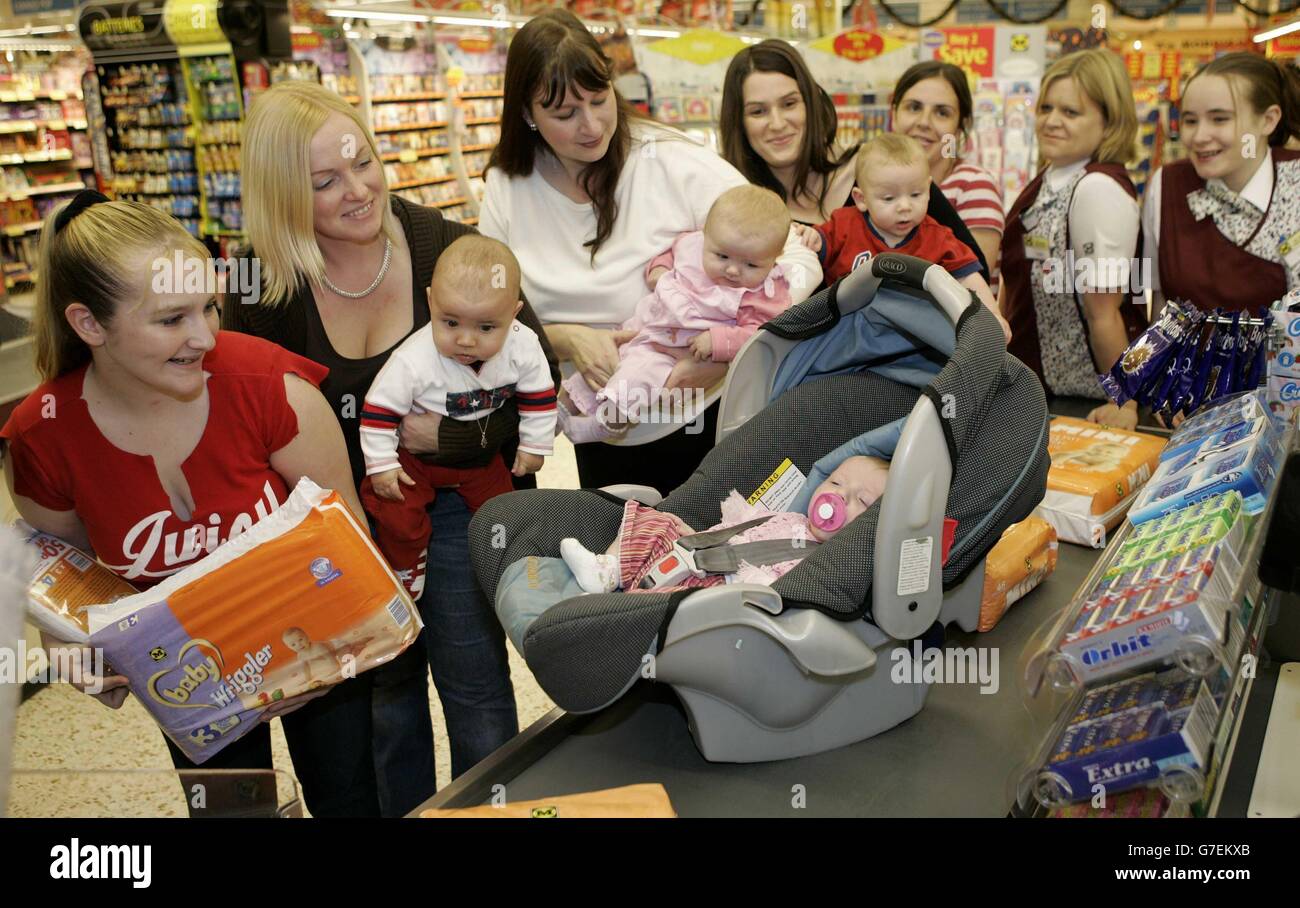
(1220, 225)
(778, 128)
(932, 104)
(586, 192)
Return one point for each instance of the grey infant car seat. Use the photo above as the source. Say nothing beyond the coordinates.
(803, 666)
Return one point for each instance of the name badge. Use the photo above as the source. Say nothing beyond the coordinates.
(1037, 248)
(1289, 249)
(1030, 219)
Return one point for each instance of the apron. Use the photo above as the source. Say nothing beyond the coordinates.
(1034, 245)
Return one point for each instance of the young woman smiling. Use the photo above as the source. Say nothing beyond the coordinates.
(778, 129)
(1082, 202)
(1216, 224)
(585, 192)
(932, 104)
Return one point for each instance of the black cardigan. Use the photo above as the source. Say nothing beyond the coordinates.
(460, 443)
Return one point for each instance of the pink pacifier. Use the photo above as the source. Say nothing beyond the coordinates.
(828, 512)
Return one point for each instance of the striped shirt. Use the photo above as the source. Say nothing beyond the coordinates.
(973, 192)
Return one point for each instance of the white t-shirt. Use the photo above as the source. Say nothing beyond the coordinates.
(667, 186)
(1258, 191)
(1104, 221)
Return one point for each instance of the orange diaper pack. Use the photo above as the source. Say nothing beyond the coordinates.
(1023, 557)
(1095, 474)
(67, 582)
(301, 600)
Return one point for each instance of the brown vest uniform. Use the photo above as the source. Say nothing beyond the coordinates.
(1062, 358)
(1201, 265)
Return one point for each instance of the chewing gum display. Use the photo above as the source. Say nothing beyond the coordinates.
(1135, 804)
(1023, 557)
(66, 584)
(1248, 467)
(1095, 472)
(300, 601)
(1128, 734)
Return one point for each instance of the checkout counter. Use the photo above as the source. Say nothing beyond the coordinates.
(960, 756)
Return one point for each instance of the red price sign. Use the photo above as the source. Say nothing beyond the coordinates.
(859, 44)
(969, 48)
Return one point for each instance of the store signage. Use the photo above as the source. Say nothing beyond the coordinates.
(1163, 65)
(307, 41)
(112, 24)
(700, 46)
(857, 44)
(475, 45)
(969, 48)
(30, 7)
(1020, 52)
(192, 21)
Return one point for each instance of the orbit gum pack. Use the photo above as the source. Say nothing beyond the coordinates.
(301, 600)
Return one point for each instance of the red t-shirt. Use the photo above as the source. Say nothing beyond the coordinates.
(849, 240)
(64, 463)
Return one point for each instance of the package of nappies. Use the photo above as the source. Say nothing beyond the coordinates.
(301, 600)
(67, 583)
(1023, 557)
(1094, 475)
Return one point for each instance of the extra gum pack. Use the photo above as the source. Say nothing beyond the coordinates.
(301, 600)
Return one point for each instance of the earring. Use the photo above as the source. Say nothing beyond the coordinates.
(532, 126)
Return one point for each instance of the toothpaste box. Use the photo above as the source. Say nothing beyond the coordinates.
(1129, 733)
(1248, 469)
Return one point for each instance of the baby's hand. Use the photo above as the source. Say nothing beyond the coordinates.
(702, 346)
(652, 279)
(526, 463)
(809, 237)
(388, 485)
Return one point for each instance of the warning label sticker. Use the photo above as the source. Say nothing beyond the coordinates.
(779, 489)
(914, 566)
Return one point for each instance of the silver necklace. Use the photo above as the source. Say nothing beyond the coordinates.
(379, 278)
(482, 432)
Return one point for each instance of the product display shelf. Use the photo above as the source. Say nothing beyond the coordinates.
(217, 102)
(1190, 787)
(44, 144)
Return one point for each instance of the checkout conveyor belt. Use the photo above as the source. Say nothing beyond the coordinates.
(954, 758)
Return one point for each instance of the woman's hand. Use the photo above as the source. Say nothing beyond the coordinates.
(418, 432)
(1113, 417)
(594, 352)
(284, 707)
(690, 373)
(111, 690)
(652, 279)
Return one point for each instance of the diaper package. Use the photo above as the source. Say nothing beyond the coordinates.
(1023, 557)
(66, 584)
(301, 600)
(1094, 476)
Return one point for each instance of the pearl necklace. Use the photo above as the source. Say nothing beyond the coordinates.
(379, 278)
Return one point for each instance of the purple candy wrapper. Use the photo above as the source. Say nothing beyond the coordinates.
(1145, 359)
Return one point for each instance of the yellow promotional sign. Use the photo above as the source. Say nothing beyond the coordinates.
(858, 44)
(192, 21)
(700, 46)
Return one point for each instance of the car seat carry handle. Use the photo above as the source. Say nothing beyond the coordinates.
(907, 587)
(911, 271)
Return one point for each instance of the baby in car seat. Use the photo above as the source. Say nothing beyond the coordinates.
(647, 535)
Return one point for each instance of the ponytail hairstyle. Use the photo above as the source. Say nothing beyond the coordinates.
(552, 54)
(1264, 83)
(93, 257)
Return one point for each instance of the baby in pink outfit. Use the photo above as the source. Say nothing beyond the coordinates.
(647, 535)
(724, 282)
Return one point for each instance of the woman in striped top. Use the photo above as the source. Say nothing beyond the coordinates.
(932, 104)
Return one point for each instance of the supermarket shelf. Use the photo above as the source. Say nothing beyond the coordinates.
(20, 229)
(10, 97)
(351, 99)
(450, 202)
(41, 190)
(417, 96)
(468, 148)
(413, 154)
(156, 192)
(207, 232)
(63, 154)
(478, 121)
(11, 126)
(410, 127)
(486, 93)
(83, 164)
(125, 147)
(26, 277)
(470, 221)
(412, 184)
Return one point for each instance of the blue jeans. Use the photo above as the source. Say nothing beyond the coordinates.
(465, 643)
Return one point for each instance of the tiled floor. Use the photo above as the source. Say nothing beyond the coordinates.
(70, 750)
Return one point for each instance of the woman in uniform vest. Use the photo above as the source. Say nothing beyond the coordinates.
(1222, 227)
(1072, 235)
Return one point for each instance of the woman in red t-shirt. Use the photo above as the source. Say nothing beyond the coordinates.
(154, 438)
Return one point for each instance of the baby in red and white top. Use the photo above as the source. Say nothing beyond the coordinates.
(889, 215)
(471, 358)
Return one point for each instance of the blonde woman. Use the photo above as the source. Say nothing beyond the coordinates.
(345, 269)
(150, 423)
(1073, 232)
